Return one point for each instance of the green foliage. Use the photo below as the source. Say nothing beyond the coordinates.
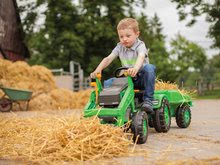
(212, 94)
(187, 55)
(151, 34)
(57, 42)
(216, 61)
(199, 7)
(190, 79)
(214, 66)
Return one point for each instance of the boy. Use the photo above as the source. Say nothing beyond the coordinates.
(133, 54)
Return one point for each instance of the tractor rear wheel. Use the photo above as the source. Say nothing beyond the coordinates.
(139, 127)
(162, 117)
(183, 116)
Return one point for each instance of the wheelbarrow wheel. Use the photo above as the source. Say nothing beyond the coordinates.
(5, 104)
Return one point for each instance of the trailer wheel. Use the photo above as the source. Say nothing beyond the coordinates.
(139, 127)
(162, 117)
(183, 116)
(5, 104)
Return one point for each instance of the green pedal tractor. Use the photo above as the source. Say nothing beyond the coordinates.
(121, 103)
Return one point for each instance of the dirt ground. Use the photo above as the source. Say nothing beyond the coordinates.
(199, 142)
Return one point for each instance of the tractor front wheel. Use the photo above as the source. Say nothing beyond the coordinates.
(162, 117)
(139, 127)
(183, 116)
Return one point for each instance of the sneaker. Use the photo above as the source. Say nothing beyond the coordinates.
(147, 107)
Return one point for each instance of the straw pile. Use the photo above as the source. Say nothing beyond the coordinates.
(60, 99)
(54, 140)
(39, 79)
(161, 85)
(22, 76)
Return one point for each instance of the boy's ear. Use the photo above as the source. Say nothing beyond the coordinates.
(138, 33)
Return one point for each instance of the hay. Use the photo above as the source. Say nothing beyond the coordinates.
(43, 78)
(47, 140)
(82, 97)
(41, 102)
(60, 99)
(20, 75)
(161, 85)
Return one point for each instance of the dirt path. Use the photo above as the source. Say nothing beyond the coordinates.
(200, 141)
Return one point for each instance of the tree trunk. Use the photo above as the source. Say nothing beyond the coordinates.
(11, 33)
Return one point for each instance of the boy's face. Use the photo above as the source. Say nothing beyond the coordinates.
(127, 37)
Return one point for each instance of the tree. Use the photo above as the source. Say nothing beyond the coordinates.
(187, 56)
(57, 42)
(11, 33)
(151, 34)
(214, 66)
(198, 7)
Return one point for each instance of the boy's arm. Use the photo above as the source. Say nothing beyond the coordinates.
(140, 60)
(103, 64)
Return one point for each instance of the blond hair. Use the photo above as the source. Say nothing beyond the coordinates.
(128, 23)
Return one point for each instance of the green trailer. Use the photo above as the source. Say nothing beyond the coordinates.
(121, 104)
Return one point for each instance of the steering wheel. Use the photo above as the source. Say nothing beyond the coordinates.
(120, 73)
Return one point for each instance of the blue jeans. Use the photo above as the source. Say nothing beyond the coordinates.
(145, 81)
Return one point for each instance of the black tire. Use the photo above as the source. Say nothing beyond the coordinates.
(162, 117)
(139, 127)
(5, 105)
(151, 122)
(183, 116)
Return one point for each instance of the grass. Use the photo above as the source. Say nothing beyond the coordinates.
(214, 94)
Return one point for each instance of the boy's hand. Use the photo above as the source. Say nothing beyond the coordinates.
(132, 72)
(93, 74)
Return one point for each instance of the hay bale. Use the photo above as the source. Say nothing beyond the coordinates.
(41, 102)
(44, 80)
(22, 76)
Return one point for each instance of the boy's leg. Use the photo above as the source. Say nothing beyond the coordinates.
(148, 76)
